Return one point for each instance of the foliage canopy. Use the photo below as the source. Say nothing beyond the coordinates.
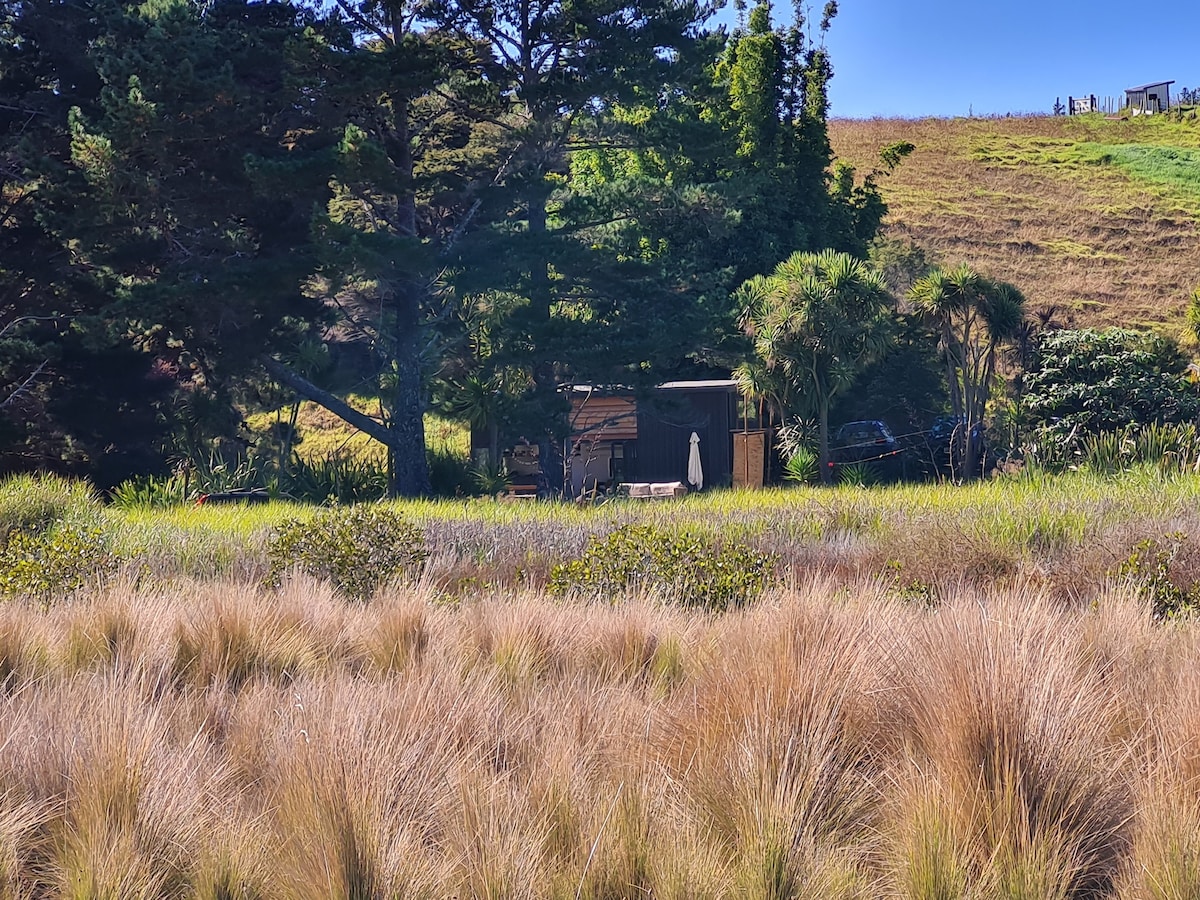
(1087, 382)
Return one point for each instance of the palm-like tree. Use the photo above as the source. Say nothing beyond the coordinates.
(1193, 314)
(974, 316)
(762, 388)
(816, 321)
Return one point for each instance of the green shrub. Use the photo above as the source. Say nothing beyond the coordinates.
(335, 478)
(51, 543)
(858, 474)
(1172, 448)
(32, 503)
(449, 472)
(150, 491)
(1081, 384)
(54, 561)
(696, 569)
(795, 436)
(1149, 566)
(357, 549)
(488, 480)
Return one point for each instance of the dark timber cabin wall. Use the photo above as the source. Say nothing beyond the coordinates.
(666, 421)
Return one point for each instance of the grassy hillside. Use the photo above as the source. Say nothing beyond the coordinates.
(1098, 218)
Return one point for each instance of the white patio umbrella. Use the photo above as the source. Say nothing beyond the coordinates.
(695, 470)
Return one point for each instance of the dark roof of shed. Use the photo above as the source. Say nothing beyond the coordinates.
(698, 385)
(1143, 87)
(702, 385)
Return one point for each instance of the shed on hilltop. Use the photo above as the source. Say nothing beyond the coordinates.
(1149, 98)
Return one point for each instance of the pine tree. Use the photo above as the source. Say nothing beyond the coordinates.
(250, 188)
(74, 397)
(573, 308)
(734, 170)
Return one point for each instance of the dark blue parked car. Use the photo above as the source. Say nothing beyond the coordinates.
(947, 440)
(870, 443)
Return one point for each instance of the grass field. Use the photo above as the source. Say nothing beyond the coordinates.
(951, 692)
(1098, 219)
(831, 742)
(1065, 534)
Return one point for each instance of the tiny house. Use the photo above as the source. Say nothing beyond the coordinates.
(617, 436)
(1149, 98)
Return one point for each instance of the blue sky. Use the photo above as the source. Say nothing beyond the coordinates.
(958, 57)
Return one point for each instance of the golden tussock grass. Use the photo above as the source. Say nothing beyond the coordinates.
(214, 740)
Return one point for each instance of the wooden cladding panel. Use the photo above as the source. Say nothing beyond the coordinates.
(604, 418)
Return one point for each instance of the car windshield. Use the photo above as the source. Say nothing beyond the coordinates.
(863, 432)
(946, 424)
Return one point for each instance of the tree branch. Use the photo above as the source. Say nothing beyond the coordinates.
(23, 387)
(22, 319)
(331, 402)
(366, 24)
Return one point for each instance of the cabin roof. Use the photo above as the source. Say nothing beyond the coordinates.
(1146, 87)
(699, 385)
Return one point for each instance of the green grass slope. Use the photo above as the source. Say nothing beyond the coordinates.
(1098, 219)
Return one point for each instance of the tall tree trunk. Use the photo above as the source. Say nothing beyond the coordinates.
(539, 289)
(493, 429)
(539, 273)
(545, 373)
(823, 442)
(409, 468)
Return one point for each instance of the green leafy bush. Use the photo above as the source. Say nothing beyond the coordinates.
(1149, 567)
(357, 549)
(1085, 383)
(696, 569)
(54, 561)
(802, 467)
(51, 542)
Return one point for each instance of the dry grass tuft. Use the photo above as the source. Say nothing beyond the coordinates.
(828, 742)
(1015, 778)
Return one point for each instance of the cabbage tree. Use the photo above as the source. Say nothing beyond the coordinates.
(816, 321)
(973, 316)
